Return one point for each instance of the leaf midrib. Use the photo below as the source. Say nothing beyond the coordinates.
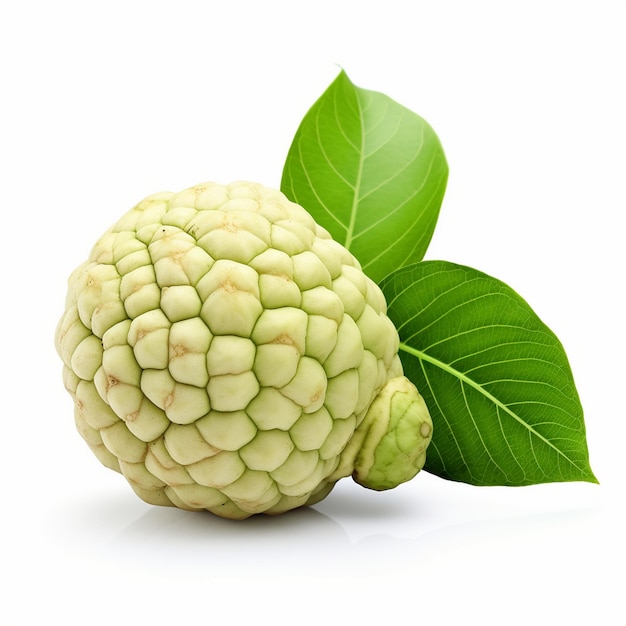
(478, 387)
(357, 184)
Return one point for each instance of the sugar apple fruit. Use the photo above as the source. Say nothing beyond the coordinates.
(225, 353)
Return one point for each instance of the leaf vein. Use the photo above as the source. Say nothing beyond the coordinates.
(423, 356)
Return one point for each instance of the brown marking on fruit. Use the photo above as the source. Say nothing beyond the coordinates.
(169, 400)
(284, 340)
(179, 350)
(229, 286)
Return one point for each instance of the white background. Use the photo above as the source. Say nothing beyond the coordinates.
(103, 103)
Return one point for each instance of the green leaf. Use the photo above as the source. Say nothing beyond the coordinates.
(371, 172)
(496, 380)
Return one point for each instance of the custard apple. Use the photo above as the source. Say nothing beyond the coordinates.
(225, 353)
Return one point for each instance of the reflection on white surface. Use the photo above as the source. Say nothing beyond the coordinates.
(94, 549)
(430, 521)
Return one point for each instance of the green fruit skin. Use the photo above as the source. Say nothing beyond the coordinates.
(224, 353)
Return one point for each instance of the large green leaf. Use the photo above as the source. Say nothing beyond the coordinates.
(372, 172)
(496, 380)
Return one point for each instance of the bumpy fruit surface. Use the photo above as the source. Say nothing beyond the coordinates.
(225, 353)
